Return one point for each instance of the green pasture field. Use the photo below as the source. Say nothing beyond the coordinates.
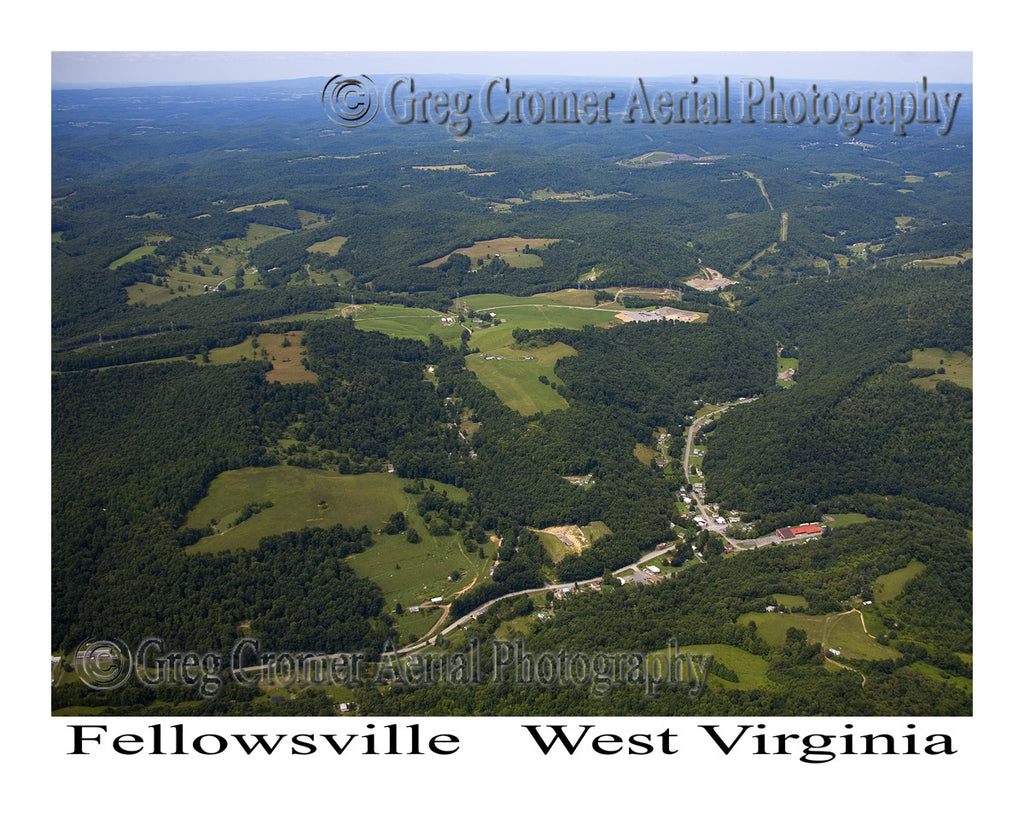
(791, 601)
(393, 319)
(751, 669)
(415, 573)
(505, 247)
(595, 529)
(405, 322)
(407, 573)
(959, 367)
(513, 376)
(329, 246)
(843, 519)
(843, 631)
(521, 260)
(888, 586)
(243, 351)
(256, 234)
(308, 218)
(554, 547)
(131, 256)
(147, 294)
(302, 498)
(229, 256)
(965, 683)
(566, 298)
(411, 626)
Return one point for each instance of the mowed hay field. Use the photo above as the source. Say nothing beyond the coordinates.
(286, 359)
(513, 370)
(404, 322)
(514, 375)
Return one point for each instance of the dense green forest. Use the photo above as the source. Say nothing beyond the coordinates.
(220, 221)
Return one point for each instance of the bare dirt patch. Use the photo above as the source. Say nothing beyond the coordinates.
(571, 536)
(653, 293)
(709, 280)
(659, 314)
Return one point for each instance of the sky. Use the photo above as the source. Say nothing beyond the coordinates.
(106, 68)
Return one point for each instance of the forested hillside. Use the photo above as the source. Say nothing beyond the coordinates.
(240, 292)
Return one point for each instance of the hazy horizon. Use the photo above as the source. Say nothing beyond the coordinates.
(106, 69)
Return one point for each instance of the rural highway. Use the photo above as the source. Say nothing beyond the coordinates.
(719, 528)
(706, 513)
(550, 587)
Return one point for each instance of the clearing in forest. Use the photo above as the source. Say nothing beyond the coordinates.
(956, 366)
(508, 248)
(709, 280)
(842, 631)
(247, 208)
(291, 498)
(560, 541)
(329, 246)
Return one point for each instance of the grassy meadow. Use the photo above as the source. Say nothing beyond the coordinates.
(843, 631)
(513, 370)
(958, 367)
(217, 264)
(407, 573)
(888, 586)
(751, 669)
(508, 248)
